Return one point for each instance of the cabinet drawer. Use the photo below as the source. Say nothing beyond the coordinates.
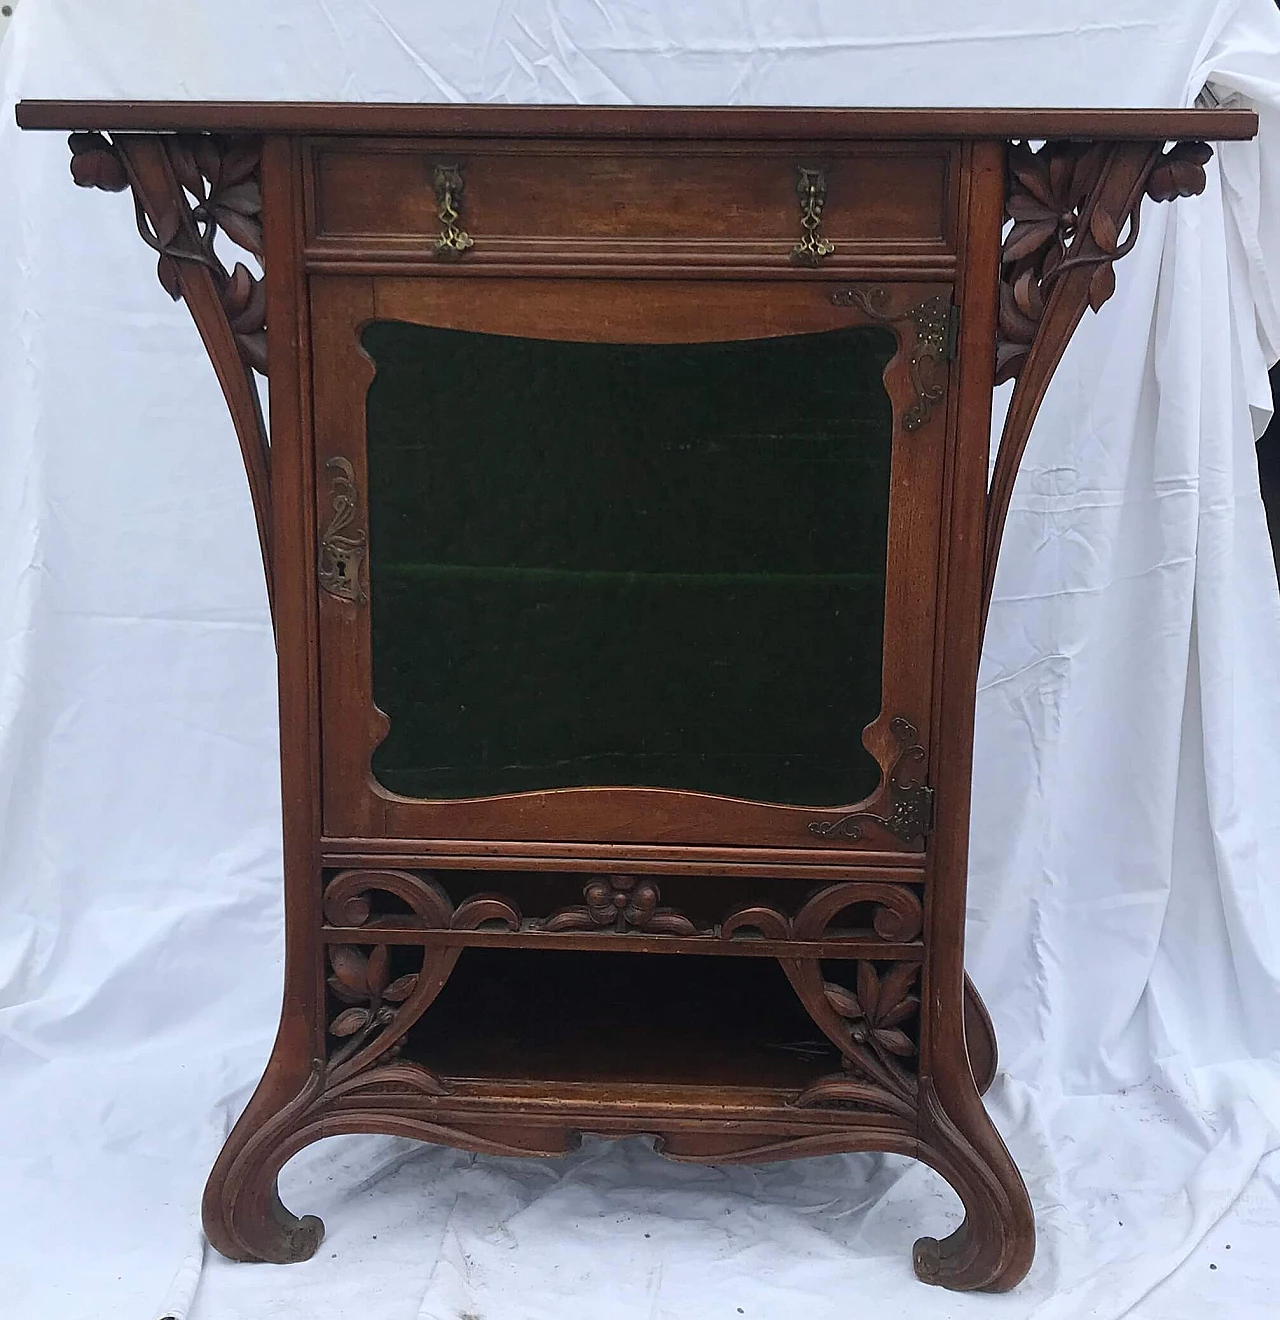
(580, 203)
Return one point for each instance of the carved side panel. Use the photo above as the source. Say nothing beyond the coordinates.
(1075, 209)
(188, 189)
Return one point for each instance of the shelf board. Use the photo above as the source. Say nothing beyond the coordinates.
(600, 1020)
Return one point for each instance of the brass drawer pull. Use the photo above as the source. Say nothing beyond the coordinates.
(453, 240)
(811, 187)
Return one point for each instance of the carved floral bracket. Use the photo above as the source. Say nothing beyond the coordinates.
(187, 189)
(1075, 208)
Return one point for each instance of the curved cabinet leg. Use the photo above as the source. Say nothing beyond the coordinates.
(244, 1217)
(993, 1248)
(980, 1038)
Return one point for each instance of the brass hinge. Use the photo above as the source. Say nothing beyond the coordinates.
(952, 349)
(926, 809)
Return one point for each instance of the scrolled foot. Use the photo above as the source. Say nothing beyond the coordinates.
(279, 1237)
(244, 1217)
(993, 1248)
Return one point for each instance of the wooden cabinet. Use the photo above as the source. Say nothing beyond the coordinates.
(627, 520)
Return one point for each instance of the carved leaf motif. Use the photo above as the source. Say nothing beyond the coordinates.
(401, 988)
(896, 1042)
(876, 1010)
(1179, 172)
(240, 229)
(208, 157)
(350, 970)
(349, 1021)
(95, 163)
(1102, 285)
(844, 1003)
(378, 973)
(479, 908)
(1103, 229)
(245, 300)
(1050, 193)
(900, 978)
(1027, 236)
(185, 168)
(239, 161)
(244, 198)
(170, 277)
(670, 923)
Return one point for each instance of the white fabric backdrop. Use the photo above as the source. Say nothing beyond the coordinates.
(1123, 918)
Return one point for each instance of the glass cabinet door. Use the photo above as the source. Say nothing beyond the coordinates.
(620, 565)
(654, 565)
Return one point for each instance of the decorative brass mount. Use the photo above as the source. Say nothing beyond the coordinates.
(811, 187)
(911, 814)
(453, 240)
(342, 552)
(937, 327)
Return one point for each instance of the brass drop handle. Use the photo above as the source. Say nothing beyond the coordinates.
(811, 188)
(453, 240)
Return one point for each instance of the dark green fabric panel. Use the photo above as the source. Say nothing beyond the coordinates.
(657, 565)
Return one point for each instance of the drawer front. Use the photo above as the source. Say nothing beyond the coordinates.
(576, 203)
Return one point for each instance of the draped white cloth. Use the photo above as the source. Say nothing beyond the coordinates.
(1124, 922)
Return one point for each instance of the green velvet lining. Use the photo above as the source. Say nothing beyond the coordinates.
(625, 564)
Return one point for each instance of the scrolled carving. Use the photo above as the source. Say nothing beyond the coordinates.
(898, 915)
(934, 321)
(346, 902)
(910, 816)
(625, 903)
(342, 545)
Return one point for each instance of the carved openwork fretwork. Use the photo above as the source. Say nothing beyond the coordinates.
(811, 188)
(935, 324)
(855, 910)
(868, 1025)
(1062, 222)
(1075, 209)
(911, 814)
(342, 544)
(187, 189)
(453, 240)
(372, 1010)
(223, 193)
(621, 903)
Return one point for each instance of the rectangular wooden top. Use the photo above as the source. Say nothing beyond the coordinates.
(555, 121)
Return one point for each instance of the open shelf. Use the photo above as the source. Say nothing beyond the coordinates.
(615, 1019)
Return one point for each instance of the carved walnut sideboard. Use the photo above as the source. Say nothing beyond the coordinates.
(628, 535)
